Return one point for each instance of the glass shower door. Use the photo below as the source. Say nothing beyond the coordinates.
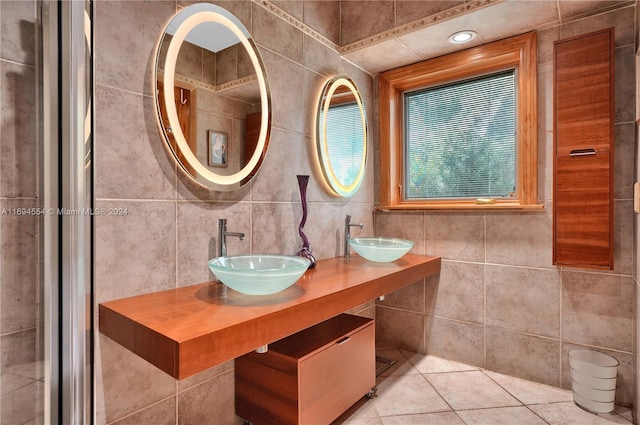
(45, 171)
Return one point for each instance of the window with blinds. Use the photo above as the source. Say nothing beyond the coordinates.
(460, 139)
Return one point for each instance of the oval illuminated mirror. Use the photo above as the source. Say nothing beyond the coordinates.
(212, 97)
(341, 136)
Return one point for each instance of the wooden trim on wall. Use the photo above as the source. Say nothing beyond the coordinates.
(520, 53)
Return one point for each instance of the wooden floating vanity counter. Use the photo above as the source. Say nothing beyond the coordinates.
(187, 330)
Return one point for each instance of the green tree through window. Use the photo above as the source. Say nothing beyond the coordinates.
(461, 139)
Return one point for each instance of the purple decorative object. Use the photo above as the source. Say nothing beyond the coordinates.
(305, 251)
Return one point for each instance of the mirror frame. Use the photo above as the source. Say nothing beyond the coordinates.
(215, 14)
(322, 145)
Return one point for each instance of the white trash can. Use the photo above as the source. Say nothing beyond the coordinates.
(593, 380)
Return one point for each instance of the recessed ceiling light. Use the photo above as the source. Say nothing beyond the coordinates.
(462, 36)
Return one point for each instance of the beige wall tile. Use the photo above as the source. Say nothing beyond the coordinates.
(190, 60)
(206, 375)
(320, 58)
(324, 17)
(363, 18)
(19, 275)
(626, 371)
(277, 181)
(458, 292)
(18, 31)
(459, 237)
(623, 237)
(402, 225)
(274, 229)
(624, 84)
(24, 405)
(135, 253)
(292, 7)
(408, 298)
(546, 37)
(197, 224)
(210, 401)
(400, 328)
(454, 340)
(131, 161)
(276, 34)
(546, 153)
(545, 97)
(523, 356)
(162, 413)
(524, 300)
(286, 81)
(522, 239)
(126, 383)
(597, 309)
(18, 356)
(19, 147)
(624, 149)
(117, 24)
(324, 228)
(622, 20)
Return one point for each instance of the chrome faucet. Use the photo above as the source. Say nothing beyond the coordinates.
(222, 237)
(347, 234)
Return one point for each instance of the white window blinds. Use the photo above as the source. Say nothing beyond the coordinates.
(460, 139)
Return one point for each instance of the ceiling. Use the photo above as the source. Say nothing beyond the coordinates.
(427, 38)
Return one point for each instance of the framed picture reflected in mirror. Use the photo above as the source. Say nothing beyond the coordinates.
(217, 148)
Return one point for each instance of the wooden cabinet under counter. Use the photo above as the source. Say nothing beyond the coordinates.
(310, 377)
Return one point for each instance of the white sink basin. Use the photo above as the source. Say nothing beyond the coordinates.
(259, 274)
(381, 250)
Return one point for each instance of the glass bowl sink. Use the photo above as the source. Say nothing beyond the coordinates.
(259, 274)
(380, 250)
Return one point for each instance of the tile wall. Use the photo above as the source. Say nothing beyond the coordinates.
(171, 228)
(499, 302)
(21, 346)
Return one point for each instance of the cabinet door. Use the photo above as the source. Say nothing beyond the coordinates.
(583, 211)
(335, 378)
(583, 113)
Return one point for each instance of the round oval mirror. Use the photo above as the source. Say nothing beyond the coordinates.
(212, 97)
(341, 135)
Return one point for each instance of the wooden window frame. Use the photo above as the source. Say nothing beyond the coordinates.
(517, 52)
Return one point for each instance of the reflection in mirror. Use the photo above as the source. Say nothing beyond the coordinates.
(341, 136)
(212, 97)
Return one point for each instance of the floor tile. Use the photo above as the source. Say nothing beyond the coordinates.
(432, 364)
(442, 418)
(409, 394)
(360, 413)
(530, 392)
(360, 421)
(568, 413)
(402, 367)
(470, 390)
(501, 416)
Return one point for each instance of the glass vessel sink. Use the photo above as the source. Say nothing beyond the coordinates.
(259, 274)
(380, 250)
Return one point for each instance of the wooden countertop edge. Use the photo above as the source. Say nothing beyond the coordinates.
(186, 358)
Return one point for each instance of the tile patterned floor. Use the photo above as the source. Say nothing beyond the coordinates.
(428, 390)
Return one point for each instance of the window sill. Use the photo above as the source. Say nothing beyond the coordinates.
(460, 206)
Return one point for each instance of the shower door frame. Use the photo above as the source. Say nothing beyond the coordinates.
(68, 200)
